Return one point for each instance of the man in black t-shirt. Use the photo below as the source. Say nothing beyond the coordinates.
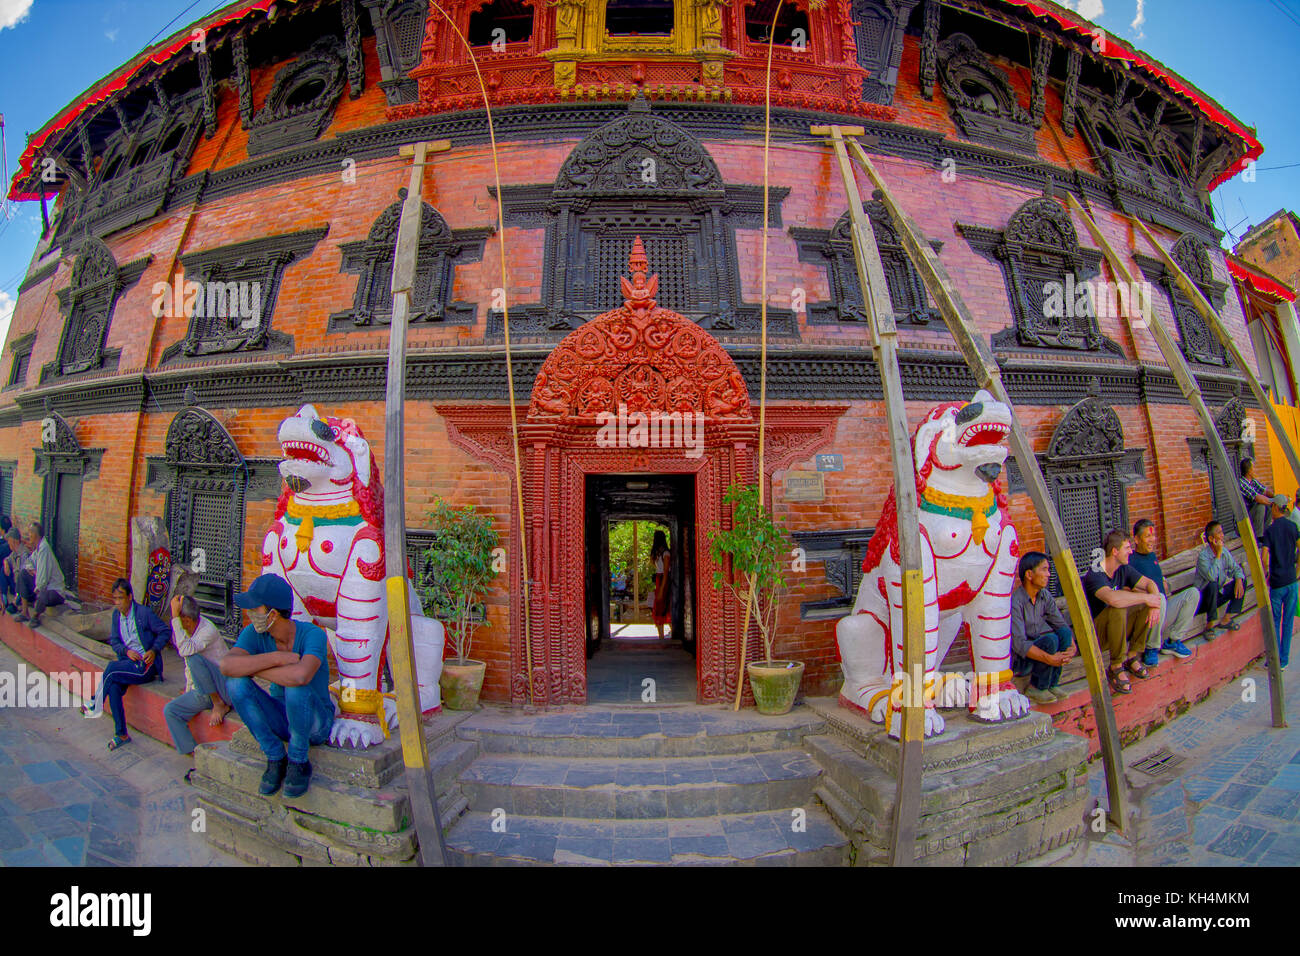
(1123, 604)
(1278, 553)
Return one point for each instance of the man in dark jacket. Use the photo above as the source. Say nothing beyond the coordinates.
(138, 637)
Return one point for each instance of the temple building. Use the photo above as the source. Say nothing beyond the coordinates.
(256, 154)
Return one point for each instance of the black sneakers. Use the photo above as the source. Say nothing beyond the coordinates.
(297, 779)
(273, 777)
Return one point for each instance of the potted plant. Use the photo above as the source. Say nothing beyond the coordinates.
(457, 571)
(757, 547)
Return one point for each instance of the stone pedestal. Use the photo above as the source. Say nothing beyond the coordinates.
(356, 812)
(990, 794)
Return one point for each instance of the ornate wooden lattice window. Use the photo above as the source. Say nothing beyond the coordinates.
(7, 469)
(631, 19)
(878, 27)
(238, 286)
(1196, 339)
(399, 32)
(841, 553)
(1232, 425)
(791, 25)
(88, 304)
(21, 349)
(63, 465)
(983, 103)
(1046, 273)
(640, 175)
(907, 293)
(301, 102)
(440, 250)
(514, 18)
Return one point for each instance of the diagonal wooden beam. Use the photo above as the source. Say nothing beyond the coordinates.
(961, 323)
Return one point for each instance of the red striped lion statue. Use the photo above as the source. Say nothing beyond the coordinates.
(968, 568)
(327, 541)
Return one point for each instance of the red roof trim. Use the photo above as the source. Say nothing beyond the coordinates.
(1243, 272)
(98, 94)
(1118, 50)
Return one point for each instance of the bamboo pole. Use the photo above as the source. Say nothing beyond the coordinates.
(884, 341)
(1187, 385)
(419, 777)
(984, 368)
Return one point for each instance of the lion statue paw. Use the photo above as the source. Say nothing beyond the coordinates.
(1008, 704)
(355, 733)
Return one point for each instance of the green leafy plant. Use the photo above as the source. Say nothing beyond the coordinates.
(458, 569)
(757, 547)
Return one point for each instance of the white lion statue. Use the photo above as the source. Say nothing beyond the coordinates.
(969, 554)
(327, 541)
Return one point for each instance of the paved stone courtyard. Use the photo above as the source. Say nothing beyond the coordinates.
(1233, 800)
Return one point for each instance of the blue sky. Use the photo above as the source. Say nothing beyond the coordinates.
(1236, 52)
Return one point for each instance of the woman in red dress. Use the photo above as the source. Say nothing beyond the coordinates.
(662, 558)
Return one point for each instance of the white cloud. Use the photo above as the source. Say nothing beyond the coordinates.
(112, 35)
(14, 12)
(6, 313)
(1140, 18)
(1091, 9)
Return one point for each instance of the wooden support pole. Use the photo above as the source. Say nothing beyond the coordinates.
(401, 647)
(975, 350)
(1187, 384)
(884, 339)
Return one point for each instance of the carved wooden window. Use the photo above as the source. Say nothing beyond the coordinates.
(907, 294)
(983, 103)
(513, 17)
(639, 18)
(205, 511)
(238, 287)
(440, 249)
(841, 553)
(7, 469)
(1197, 341)
(1046, 274)
(399, 33)
(1230, 424)
(88, 303)
(791, 24)
(22, 352)
(301, 102)
(878, 27)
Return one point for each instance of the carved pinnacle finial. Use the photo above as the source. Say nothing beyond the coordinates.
(1094, 387)
(639, 294)
(189, 397)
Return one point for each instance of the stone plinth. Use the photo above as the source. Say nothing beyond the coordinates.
(356, 812)
(990, 793)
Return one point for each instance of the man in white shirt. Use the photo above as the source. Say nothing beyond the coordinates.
(40, 582)
(202, 647)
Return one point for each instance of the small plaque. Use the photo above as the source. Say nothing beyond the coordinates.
(804, 486)
(830, 462)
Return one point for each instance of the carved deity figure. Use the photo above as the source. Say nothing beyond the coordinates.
(327, 541)
(968, 568)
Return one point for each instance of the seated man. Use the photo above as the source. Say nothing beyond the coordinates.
(291, 655)
(1176, 611)
(11, 566)
(1278, 554)
(1220, 579)
(40, 583)
(1041, 640)
(138, 637)
(1124, 604)
(201, 645)
(1256, 496)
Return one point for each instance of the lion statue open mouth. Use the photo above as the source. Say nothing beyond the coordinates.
(327, 541)
(969, 553)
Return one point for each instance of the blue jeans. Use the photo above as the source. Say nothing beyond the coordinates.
(117, 677)
(300, 717)
(1283, 603)
(1044, 676)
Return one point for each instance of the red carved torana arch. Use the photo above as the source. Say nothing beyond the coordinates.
(650, 360)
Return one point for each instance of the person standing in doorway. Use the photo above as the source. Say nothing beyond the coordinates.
(662, 558)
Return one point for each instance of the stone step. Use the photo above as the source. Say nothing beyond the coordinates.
(637, 732)
(768, 838)
(95, 651)
(645, 788)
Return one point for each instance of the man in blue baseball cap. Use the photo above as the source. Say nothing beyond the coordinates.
(291, 655)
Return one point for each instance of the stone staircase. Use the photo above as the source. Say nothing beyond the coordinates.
(643, 786)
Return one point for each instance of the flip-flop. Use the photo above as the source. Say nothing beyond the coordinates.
(189, 774)
(118, 742)
(1233, 625)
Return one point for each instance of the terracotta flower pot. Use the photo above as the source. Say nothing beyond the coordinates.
(775, 685)
(461, 682)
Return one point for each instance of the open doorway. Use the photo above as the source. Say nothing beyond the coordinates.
(628, 659)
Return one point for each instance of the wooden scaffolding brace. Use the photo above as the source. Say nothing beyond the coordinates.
(988, 376)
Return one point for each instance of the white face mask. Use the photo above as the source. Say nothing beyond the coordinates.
(261, 622)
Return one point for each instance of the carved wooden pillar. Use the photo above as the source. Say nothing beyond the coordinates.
(1038, 88)
(87, 155)
(709, 20)
(352, 40)
(1072, 67)
(569, 16)
(209, 95)
(929, 48)
(243, 82)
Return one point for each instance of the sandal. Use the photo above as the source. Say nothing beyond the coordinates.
(189, 775)
(1117, 685)
(1137, 668)
(1233, 625)
(118, 741)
